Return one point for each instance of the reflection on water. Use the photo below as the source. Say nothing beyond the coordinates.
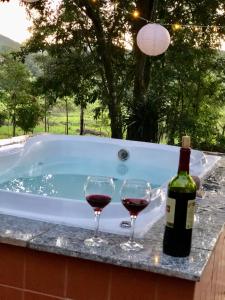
(58, 185)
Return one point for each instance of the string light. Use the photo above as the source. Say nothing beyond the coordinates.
(154, 42)
(175, 26)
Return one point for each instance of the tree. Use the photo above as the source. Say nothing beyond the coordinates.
(28, 115)
(148, 107)
(195, 96)
(95, 30)
(15, 82)
(127, 77)
(69, 74)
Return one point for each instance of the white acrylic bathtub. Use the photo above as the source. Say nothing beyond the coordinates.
(59, 154)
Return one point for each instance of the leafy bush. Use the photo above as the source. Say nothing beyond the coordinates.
(28, 116)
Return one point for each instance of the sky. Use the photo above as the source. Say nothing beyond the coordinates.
(14, 23)
(223, 45)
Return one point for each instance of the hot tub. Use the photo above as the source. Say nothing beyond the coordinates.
(43, 179)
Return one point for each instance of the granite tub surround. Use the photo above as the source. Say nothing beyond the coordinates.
(209, 223)
(68, 241)
(18, 231)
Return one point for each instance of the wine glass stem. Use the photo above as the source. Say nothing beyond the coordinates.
(133, 219)
(97, 217)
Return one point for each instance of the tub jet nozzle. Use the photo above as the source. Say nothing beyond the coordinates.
(123, 154)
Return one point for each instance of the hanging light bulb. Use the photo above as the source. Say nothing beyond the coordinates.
(176, 26)
(136, 14)
(196, 28)
(153, 39)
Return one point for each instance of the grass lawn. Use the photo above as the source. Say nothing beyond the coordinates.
(57, 121)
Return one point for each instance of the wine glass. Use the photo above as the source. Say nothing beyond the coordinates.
(98, 193)
(135, 196)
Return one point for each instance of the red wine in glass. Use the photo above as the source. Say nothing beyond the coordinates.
(135, 196)
(134, 205)
(98, 201)
(98, 193)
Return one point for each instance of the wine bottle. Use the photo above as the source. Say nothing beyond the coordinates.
(180, 207)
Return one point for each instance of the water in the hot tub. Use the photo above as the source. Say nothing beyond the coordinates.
(58, 185)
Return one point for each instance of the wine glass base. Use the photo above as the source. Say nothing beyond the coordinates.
(131, 246)
(95, 242)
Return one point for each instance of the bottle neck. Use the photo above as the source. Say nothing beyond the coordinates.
(184, 160)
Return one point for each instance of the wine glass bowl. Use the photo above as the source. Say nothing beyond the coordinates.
(135, 197)
(98, 192)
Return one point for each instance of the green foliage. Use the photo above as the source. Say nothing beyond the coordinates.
(194, 96)
(93, 34)
(3, 112)
(16, 86)
(28, 115)
(179, 92)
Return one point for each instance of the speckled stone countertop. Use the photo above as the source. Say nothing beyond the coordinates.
(64, 240)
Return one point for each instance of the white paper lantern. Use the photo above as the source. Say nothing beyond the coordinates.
(153, 39)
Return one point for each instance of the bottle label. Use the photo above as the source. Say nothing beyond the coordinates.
(170, 212)
(190, 214)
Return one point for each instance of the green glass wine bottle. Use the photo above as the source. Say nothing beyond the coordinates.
(180, 207)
